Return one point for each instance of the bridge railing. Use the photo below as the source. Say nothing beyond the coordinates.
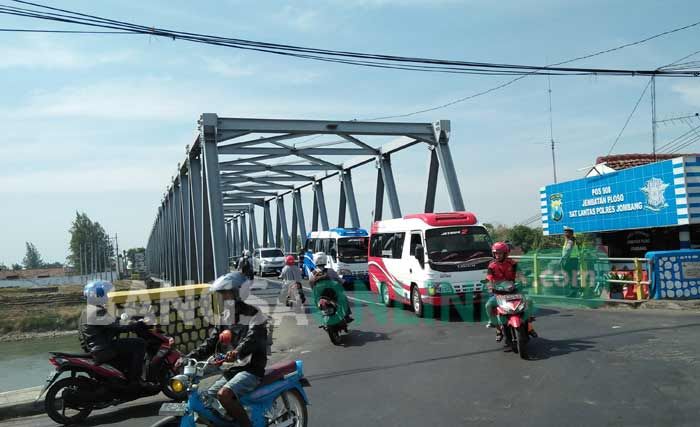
(594, 273)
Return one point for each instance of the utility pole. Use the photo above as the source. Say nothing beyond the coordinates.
(116, 258)
(653, 116)
(551, 133)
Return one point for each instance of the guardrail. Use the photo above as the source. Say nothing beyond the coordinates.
(586, 263)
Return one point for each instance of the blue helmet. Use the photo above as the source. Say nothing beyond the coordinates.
(96, 292)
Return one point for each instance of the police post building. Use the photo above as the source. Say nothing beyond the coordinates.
(632, 203)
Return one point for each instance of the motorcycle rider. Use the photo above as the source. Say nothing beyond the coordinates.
(236, 382)
(99, 336)
(245, 266)
(502, 269)
(322, 273)
(291, 275)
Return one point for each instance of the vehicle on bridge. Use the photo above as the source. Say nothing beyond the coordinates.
(346, 249)
(279, 400)
(268, 260)
(432, 258)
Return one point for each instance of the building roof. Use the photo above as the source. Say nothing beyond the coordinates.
(624, 161)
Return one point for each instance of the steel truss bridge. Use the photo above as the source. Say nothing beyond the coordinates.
(239, 168)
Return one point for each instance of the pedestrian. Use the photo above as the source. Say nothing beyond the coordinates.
(570, 260)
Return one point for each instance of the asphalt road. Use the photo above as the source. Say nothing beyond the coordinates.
(605, 367)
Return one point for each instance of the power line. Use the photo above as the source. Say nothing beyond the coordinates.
(636, 105)
(346, 57)
(19, 30)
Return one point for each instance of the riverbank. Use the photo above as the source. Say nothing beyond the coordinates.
(26, 336)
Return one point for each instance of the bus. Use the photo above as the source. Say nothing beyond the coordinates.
(346, 249)
(432, 258)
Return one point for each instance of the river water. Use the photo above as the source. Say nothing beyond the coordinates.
(26, 363)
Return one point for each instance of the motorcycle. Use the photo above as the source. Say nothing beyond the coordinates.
(510, 311)
(93, 385)
(279, 401)
(329, 298)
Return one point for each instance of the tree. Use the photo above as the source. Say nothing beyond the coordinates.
(32, 258)
(497, 232)
(53, 265)
(3, 267)
(525, 237)
(130, 254)
(90, 248)
(16, 266)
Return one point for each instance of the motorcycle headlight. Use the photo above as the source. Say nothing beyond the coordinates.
(179, 383)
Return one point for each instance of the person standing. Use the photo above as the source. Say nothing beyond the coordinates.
(569, 260)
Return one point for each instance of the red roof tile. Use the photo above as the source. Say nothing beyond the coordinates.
(624, 161)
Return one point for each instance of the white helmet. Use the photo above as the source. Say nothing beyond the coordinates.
(96, 292)
(246, 252)
(235, 282)
(320, 259)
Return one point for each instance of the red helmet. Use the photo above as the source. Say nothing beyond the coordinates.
(225, 337)
(290, 260)
(500, 247)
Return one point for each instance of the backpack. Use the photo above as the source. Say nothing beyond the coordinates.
(245, 266)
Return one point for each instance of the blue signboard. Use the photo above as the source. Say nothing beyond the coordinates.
(652, 195)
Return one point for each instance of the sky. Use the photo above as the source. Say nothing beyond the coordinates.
(98, 123)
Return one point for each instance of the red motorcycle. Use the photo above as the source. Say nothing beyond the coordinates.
(93, 385)
(511, 312)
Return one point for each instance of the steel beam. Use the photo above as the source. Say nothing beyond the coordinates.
(258, 141)
(342, 206)
(314, 214)
(350, 195)
(186, 224)
(291, 151)
(177, 242)
(390, 185)
(299, 211)
(442, 136)
(229, 245)
(228, 178)
(236, 238)
(244, 234)
(195, 167)
(208, 273)
(321, 204)
(216, 205)
(253, 228)
(324, 127)
(279, 168)
(433, 169)
(379, 196)
(282, 220)
(293, 247)
(269, 235)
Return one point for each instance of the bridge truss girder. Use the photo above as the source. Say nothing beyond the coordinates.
(208, 214)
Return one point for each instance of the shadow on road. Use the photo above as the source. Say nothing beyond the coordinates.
(543, 348)
(125, 413)
(359, 338)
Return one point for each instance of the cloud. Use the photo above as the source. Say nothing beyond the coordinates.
(304, 20)
(689, 92)
(42, 53)
(126, 99)
(231, 68)
(97, 179)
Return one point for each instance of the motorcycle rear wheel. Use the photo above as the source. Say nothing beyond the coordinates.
(334, 335)
(55, 407)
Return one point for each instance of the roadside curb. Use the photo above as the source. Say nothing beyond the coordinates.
(20, 403)
(679, 305)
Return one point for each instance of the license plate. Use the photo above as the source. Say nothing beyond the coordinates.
(513, 297)
(176, 409)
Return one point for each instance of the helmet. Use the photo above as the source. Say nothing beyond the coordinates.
(231, 282)
(500, 247)
(320, 258)
(96, 292)
(246, 252)
(290, 260)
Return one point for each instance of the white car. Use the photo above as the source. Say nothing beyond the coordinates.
(268, 260)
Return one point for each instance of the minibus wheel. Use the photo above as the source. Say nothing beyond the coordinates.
(416, 301)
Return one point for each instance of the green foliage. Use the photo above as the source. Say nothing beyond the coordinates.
(16, 266)
(90, 240)
(53, 265)
(32, 258)
(130, 254)
(3, 267)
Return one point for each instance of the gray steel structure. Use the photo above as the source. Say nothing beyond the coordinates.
(207, 216)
